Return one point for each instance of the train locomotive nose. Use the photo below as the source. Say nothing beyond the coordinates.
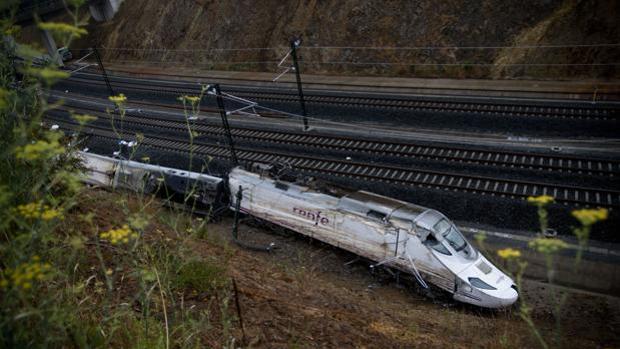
(500, 298)
(508, 297)
(497, 298)
(485, 285)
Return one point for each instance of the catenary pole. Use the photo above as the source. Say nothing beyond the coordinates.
(295, 42)
(220, 106)
(103, 72)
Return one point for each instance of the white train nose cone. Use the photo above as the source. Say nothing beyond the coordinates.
(508, 297)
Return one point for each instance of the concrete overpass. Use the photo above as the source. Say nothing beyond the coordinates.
(45, 10)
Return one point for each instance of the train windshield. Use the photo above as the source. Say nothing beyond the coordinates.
(441, 231)
(450, 234)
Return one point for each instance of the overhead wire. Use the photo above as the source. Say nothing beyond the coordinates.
(368, 63)
(190, 50)
(362, 63)
(370, 129)
(457, 47)
(411, 48)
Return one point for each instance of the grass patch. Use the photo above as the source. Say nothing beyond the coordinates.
(201, 276)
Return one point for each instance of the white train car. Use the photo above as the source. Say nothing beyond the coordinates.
(146, 178)
(411, 238)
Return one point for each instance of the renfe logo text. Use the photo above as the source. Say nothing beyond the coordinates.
(311, 216)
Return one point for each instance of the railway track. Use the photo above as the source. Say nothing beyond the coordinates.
(568, 110)
(316, 165)
(510, 159)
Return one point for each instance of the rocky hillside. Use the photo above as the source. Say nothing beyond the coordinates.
(175, 32)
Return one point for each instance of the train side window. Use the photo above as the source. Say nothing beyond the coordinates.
(281, 186)
(376, 215)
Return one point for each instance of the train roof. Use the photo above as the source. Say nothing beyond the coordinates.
(363, 202)
(360, 202)
(378, 202)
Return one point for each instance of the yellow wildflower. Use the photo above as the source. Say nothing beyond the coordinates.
(547, 246)
(31, 210)
(62, 28)
(118, 99)
(24, 275)
(191, 99)
(50, 213)
(41, 149)
(120, 235)
(48, 74)
(83, 119)
(540, 200)
(509, 253)
(36, 209)
(76, 242)
(588, 217)
(138, 221)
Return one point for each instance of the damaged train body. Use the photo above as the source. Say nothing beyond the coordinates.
(411, 238)
(206, 191)
(407, 237)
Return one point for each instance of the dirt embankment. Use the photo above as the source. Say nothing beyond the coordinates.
(185, 32)
(307, 294)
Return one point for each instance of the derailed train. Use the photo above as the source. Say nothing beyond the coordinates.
(401, 235)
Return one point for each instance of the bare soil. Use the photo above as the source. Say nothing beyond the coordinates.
(310, 293)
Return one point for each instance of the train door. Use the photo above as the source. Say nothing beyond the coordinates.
(395, 241)
(423, 257)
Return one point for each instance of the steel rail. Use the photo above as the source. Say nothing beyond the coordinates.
(414, 104)
(521, 189)
(558, 163)
(589, 94)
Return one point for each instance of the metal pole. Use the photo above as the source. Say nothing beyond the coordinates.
(220, 106)
(397, 238)
(237, 209)
(294, 44)
(105, 75)
(235, 229)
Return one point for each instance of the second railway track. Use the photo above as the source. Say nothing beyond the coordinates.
(570, 110)
(311, 164)
(511, 159)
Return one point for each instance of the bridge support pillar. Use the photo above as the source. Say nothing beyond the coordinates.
(104, 10)
(52, 49)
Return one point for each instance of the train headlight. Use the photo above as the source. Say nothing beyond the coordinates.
(477, 283)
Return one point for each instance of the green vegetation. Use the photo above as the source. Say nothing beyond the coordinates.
(548, 248)
(201, 276)
(78, 270)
